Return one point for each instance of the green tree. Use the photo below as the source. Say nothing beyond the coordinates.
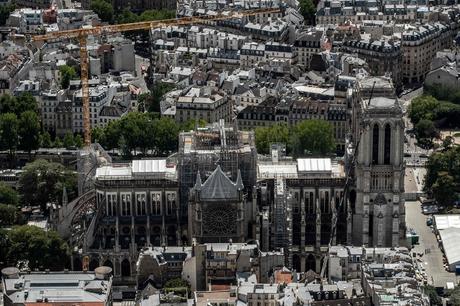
(58, 142)
(9, 133)
(190, 125)
(78, 140)
(437, 162)
(42, 182)
(111, 135)
(447, 143)
(25, 102)
(425, 129)
(7, 104)
(67, 73)
(151, 101)
(97, 135)
(126, 16)
(41, 249)
(45, 140)
(444, 189)
(4, 248)
(313, 137)
(7, 215)
(68, 140)
(5, 11)
(265, 136)
(151, 15)
(136, 128)
(103, 9)
(308, 11)
(166, 132)
(8, 195)
(432, 294)
(29, 131)
(422, 108)
(454, 296)
(17, 105)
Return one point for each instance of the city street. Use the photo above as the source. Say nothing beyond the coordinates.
(432, 261)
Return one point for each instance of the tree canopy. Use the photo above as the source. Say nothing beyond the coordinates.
(67, 73)
(8, 215)
(68, 140)
(126, 16)
(29, 131)
(45, 140)
(42, 182)
(18, 105)
(5, 11)
(313, 137)
(443, 175)
(444, 114)
(40, 249)
(454, 296)
(140, 132)
(9, 138)
(267, 135)
(444, 189)
(308, 11)
(8, 195)
(422, 108)
(103, 9)
(309, 137)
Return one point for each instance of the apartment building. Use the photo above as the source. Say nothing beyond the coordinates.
(99, 96)
(204, 104)
(383, 57)
(419, 45)
(307, 44)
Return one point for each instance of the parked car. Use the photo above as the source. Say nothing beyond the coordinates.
(430, 209)
(429, 221)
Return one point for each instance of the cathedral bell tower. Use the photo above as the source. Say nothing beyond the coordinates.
(378, 210)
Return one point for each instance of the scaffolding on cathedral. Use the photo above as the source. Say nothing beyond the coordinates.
(88, 160)
(203, 149)
(282, 220)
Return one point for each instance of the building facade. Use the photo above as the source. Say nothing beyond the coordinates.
(136, 205)
(419, 46)
(377, 201)
(218, 211)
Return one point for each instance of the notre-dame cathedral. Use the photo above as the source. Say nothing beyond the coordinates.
(217, 188)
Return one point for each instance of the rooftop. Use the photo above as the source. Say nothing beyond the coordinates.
(137, 168)
(57, 288)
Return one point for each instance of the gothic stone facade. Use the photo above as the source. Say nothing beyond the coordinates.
(218, 210)
(377, 200)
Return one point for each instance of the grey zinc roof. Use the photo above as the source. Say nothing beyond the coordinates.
(218, 187)
(382, 102)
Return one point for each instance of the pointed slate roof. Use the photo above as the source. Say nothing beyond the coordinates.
(239, 181)
(218, 187)
(198, 181)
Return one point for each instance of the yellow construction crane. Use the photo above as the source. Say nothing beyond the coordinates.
(83, 33)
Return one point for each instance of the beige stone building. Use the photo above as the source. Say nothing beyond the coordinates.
(419, 46)
(202, 104)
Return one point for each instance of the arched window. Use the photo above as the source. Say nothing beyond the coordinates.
(310, 263)
(387, 149)
(125, 268)
(375, 144)
(296, 262)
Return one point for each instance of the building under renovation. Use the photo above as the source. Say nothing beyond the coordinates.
(203, 149)
(216, 189)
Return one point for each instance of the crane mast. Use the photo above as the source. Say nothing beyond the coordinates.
(82, 34)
